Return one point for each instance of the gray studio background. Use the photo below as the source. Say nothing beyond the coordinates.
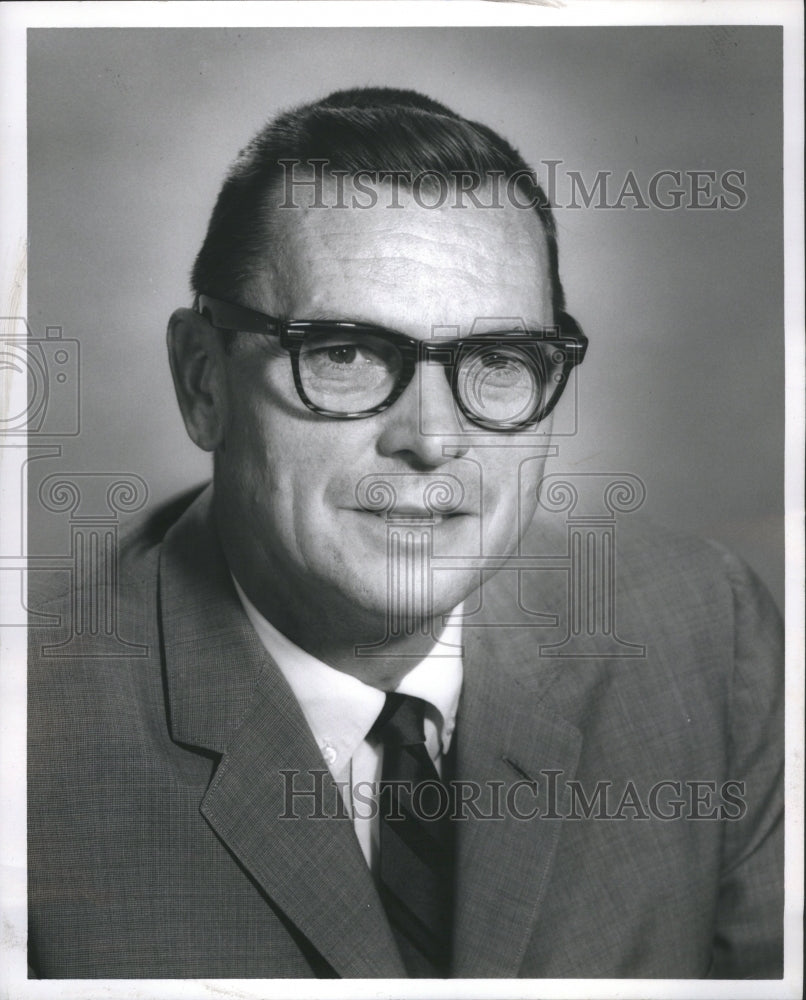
(130, 133)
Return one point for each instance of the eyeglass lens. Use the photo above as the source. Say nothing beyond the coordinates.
(347, 372)
(498, 384)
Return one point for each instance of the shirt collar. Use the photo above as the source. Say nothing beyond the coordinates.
(340, 709)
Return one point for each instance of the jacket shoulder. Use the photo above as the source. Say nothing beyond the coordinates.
(655, 564)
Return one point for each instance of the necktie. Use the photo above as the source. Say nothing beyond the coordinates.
(416, 873)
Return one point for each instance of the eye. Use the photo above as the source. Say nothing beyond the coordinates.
(339, 354)
(500, 385)
(344, 355)
(356, 371)
(501, 366)
(497, 360)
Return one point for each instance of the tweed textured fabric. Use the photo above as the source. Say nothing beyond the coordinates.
(182, 823)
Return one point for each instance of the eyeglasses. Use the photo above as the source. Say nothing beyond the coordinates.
(501, 381)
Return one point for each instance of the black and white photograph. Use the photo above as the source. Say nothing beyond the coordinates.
(402, 548)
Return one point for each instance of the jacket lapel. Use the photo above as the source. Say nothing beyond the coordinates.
(507, 733)
(226, 695)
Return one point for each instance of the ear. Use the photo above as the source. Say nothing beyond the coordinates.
(197, 364)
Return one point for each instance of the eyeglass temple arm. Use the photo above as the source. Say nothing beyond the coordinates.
(573, 331)
(230, 316)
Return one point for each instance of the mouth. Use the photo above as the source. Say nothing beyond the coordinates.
(396, 496)
(413, 515)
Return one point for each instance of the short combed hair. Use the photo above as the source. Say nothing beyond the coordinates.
(366, 130)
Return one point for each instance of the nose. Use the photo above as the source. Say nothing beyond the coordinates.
(423, 425)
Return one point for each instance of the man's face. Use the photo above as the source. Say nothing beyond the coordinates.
(291, 485)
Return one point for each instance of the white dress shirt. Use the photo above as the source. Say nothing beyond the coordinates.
(340, 711)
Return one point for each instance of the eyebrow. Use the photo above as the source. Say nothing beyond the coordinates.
(320, 315)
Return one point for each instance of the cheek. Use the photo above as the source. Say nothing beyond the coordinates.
(249, 448)
(510, 493)
(288, 460)
(258, 466)
(531, 475)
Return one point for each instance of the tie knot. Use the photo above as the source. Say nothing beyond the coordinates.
(400, 722)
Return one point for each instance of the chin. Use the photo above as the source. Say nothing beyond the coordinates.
(383, 597)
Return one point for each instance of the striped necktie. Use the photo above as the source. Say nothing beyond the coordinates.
(416, 872)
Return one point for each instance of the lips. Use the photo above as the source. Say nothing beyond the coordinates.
(412, 514)
(414, 495)
(412, 510)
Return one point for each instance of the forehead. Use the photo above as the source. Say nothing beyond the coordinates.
(403, 264)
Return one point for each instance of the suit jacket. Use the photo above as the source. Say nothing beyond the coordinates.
(160, 842)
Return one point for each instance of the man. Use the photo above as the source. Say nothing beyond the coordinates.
(341, 755)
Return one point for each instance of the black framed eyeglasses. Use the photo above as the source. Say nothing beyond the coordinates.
(501, 381)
